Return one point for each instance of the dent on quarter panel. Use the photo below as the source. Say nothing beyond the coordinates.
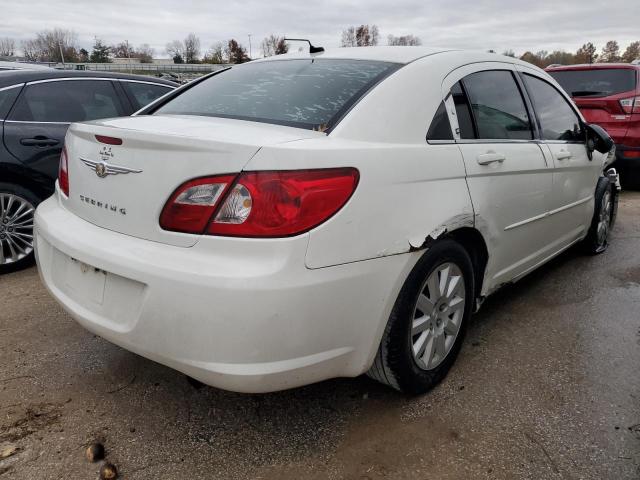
(406, 196)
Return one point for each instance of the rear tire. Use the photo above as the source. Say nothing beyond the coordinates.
(428, 322)
(597, 239)
(17, 207)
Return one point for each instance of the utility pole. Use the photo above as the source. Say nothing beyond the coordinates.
(61, 54)
(250, 55)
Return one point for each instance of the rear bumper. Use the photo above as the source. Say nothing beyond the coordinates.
(242, 315)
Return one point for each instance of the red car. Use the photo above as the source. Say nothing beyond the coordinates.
(608, 94)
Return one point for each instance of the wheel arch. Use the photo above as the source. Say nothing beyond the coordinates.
(474, 243)
(35, 182)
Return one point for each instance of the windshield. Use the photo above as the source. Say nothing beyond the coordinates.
(597, 82)
(305, 93)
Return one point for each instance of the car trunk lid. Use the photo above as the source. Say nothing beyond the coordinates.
(123, 187)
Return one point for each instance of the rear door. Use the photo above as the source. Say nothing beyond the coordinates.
(574, 174)
(507, 173)
(35, 128)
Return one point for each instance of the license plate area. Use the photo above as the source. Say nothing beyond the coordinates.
(84, 281)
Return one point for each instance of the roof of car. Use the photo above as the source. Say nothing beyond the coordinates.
(13, 77)
(385, 54)
(593, 66)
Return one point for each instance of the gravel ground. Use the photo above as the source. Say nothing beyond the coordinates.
(546, 386)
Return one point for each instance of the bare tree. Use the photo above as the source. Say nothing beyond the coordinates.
(586, 53)
(403, 40)
(123, 50)
(215, 54)
(192, 48)
(509, 53)
(610, 52)
(51, 45)
(7, 47)
(235, 52)
(632, 52)
(349, 37)
(145, 53)
(274, 45)
(367, 35)
(175, 50)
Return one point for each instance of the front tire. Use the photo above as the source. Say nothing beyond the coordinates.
(17, 207)
(427, 324)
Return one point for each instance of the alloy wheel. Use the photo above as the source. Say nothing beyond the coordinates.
(16, 228)
(438, 315)
(604, 218)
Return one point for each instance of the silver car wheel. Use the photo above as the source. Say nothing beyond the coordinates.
(604, 218)
(437, 316)
(16, 228)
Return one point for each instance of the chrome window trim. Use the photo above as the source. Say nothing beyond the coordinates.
(126, 80)
(64, 79)
(18, 85)
(34, 121)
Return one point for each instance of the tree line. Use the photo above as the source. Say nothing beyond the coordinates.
(59, 45)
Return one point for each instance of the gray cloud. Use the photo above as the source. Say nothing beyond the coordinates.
(489, 24)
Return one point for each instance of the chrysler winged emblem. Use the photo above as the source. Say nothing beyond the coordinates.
(103, 168)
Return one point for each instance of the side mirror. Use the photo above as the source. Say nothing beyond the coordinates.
(598, 139)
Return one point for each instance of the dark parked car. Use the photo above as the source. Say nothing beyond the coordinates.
(36, 108)
(609, 94)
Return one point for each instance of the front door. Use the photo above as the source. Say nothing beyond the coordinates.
(574, 174)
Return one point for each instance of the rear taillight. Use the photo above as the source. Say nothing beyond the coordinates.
(264, 204)
(630, 105)
(193, 204)
(63, 172)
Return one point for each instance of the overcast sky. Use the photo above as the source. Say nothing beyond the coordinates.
(484, 24)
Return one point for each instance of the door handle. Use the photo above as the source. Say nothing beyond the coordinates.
(39, 142)
(490, 157)
(563, 155)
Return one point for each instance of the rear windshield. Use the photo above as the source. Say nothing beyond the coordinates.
(305, 93)
(596, 83)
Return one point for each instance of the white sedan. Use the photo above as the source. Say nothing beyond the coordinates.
(311, 216)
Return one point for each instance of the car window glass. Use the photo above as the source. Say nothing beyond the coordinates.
(463, 112)
(498, 107)
(142, 94)
(7, 97)
(440, 128)
(67, 101)
(304, 93)
(600, 82)
(558, 120)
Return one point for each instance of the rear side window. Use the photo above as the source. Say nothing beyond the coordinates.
(498, 108)
(596, 82)
(558, 120)
(463, 112)
(7, 97)
(305, 93)
(440, 128)
(142, 94)
(67, 101)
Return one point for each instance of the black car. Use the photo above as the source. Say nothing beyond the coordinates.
(36, 108)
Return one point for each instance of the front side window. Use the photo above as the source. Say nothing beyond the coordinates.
(305, 93)
(498, 108)
(558, 120)
(67, 101)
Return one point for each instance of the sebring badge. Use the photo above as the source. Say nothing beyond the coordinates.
(103, 167)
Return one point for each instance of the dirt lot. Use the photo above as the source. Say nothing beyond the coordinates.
(547, 386)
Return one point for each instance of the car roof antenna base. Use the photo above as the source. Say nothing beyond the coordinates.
(312, 49)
